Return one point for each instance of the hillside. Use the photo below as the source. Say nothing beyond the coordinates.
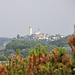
(41, 62)
(4, 41)
(25, 46)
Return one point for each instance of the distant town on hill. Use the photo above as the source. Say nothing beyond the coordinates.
(39, 36)
(33, 36)
(36, 36)
(8, 46)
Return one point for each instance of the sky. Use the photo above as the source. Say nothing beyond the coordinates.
(51, 16)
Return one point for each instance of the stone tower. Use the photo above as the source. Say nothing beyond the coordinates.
(30, 30)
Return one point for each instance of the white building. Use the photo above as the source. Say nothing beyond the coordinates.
(30, 30)
(38, 32)
(43, 36)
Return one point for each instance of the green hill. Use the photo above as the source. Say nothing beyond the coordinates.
(25, 46)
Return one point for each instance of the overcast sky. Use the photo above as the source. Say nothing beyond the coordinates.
(51, 16)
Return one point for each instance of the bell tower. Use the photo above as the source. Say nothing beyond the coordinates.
(30, 30)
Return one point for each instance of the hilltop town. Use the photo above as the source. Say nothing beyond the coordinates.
(39, 36)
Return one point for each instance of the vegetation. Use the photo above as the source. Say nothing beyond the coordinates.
(2, 58)
(59, 42)
(25, 46)
(39, 62)
(4, 40)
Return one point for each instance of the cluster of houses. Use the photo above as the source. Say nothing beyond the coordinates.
(41, 36)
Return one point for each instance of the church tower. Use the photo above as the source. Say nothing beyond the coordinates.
(30, 30)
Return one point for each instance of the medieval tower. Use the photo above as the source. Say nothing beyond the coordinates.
(30, 30)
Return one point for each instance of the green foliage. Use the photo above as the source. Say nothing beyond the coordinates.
(39, 62)
(2, 58)
(21, 44)
(4, 40)
(61, 42)
(25, 46)
(18, 52)
(61, 50)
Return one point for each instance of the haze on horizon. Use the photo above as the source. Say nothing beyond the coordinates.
(51, 16)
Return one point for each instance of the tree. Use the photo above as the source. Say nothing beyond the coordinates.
(2, 58)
